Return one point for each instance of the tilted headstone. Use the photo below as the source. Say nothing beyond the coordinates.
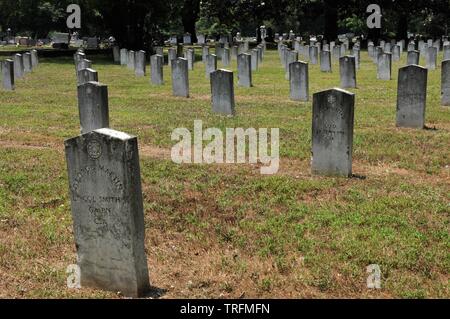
(8, 75)
(445, 83)
(18, 66)
(34, 58)
(244, 66)
(299, 78)
(93, 106)
(180, 77)
(27, 65)
(140, 63)
(332, 133)
(116, 54)
(226, 57)
(123, 57)
(87, 75)
(412, 96)
(255, 60)
(325, 61)
(431, 58)
(131, 60)
(347, 72)
(413, 57)
(156, 64)
(384, 67)
(107, 211)
(222, 92)
(211, 64)
(172, 55)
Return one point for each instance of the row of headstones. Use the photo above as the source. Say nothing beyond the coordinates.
(17, 67)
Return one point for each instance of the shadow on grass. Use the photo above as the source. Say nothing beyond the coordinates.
(427, 128)
(360, 177)
(155, 293)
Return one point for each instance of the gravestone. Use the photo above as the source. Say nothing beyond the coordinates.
(411, 96)
(387, 48)
(371, 50)
(357, 55)
(337, 52)
(291, 58)
(244, 66)
(384, 67)
(219, 50)
(332, 133)
(222, 92)
(325, 61)
(413, 57)
(255, 60)
(431, 58)
(92, 43)
(314, 54)
(376, 54)
(189, 55)
(18, 66)
(93, 106)
(159, 51)
(172, 55)
(84, 64)
(347, 70)
(8, 75)
(226, 57)
(396, 53)
(299, 86)
(116, 54)
(87, 75)
(180, 77)
(34, 58)
(180, 50)
(27, 65)
(205, 52)
(446, 52)
(78, 57)
(187, 39)
(201, 39)
(123, 57)
(107, 211)
(445, 83)
(131, 60)
(211, 64)
(140, 64)
(156, 64)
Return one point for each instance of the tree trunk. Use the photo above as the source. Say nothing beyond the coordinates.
(189, 16)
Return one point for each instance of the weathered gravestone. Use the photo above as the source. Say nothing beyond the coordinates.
(211, 64)
(299, 86)
(172, 55)
(332, 133)
(27, 66)
(412, 96)
(93, 106)
(131, 64)
(87, 75)
(244, 66)
(107, 211)
(314, 54)
(180, 77)
(123, 57)
(357, 55)
(325, 61)
(159, 51)
(384, 66)
(413, 57)
(205, 52)
(218, 50)
(431, 58)
(116, 54)
(8, 75)
(84, 64)
(226, 57)
(140, 64)
(291, 58)
(396, 53)
(156, 64)
(371, 50)
(411, 46)
(255, 60)
(18, 66)
(337, 52)
(189, 55)
(445, 83)
(222, 92)
(347, 70)
(34, 58)
(376, 54)
(446, 52)
(78, 57)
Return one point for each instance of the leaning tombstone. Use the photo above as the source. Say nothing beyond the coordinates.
(244, 66)
(123, 57)
(140, 64)
(332, 133)
(18, 66)
(222, 92)
(413, 57)
(384, 66)
(431, 58)
(156, 64)
(180, 77)
(411, 96)
(211, 64)
(93, 106)
(87, 75)
(445, 83)
(107, 211)
(8, 75)
(298, 77)
(325, 61)
(347, 70)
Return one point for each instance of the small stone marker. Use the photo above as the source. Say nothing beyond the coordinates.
(412, 96)
(172, 55)
(371, 50)
(445, 83)
(87, 75)
(131, 60)
(123, 57)
(325, 61)
(180, 77)
(299, 86)
(347, 70)
(116, 54)
(107, 211)
(413, 57)
(255, 60)
(140, 64)
(384, 67)
(93, 106)
(156, 64)
(211, 64)
(222, 92)
(431, 58)
(8, 75)
(332, 133)
(18, 66)
(159, 51)
(244, 65)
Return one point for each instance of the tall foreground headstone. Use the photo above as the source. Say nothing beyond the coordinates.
(8, 75)
(347, 70)
(445, 83)
(93, 106)
(222, 92)
(412, 96)
(140, 63)
(244, 66)
(299, 86)
(332, 132)
(180, 77)
(156, 63)
(107, 211)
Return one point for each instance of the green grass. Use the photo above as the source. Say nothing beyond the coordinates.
(226, 231)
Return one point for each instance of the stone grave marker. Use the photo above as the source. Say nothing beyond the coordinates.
(244, 66)
(123, 57)
(211, 64)
(18, 66)
(34, 58)
(445, 83)
(156, 64)
(325, 61)
(431, 58)
(222, 92)
(413, 57)
(8, 75)
(255, 60)
(226, 57)
(299, 86)
(140, 64)
(189, 55)
(384, 67)
(93, 106)
(116, 54)
(131, 60)
(87, 75)
(27, 65)
(180, 77)
(347, 70)
(172, 55)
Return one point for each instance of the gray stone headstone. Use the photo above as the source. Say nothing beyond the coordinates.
(313, 54)
(140, 64)
(205, 52)
(411, 46)
(187, 39)
(87, 75)
(255, 60)
(131, 60)
(337, 52)
(291, 58)
(446, 52)
(201, 39)
(325, 61)
(116, 54)
(123, 57)
(376, 54)
(84, 64)
(189, 55)
(244, 66)
(211, 64)
(157, 63)
(93, 106)
(172, 55)
(226, 57)
(387, 48)
(78, 57)
(234, 52)
(431, 58)
(107, 211)
(299, 78)
(413, 57)
(180, 77)
(8, 75)
(347, 70)
(218, 50)
(18, 66)
(27, 65)
(396, 53)
(357, 55)
(445, 83)
(332, 133)
(371, 50)
(34, 58)
(412, 96)
(222, 92)
(159, 51)
(384, 67)
(343, 50)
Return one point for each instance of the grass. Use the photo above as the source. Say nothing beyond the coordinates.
(226, 231)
